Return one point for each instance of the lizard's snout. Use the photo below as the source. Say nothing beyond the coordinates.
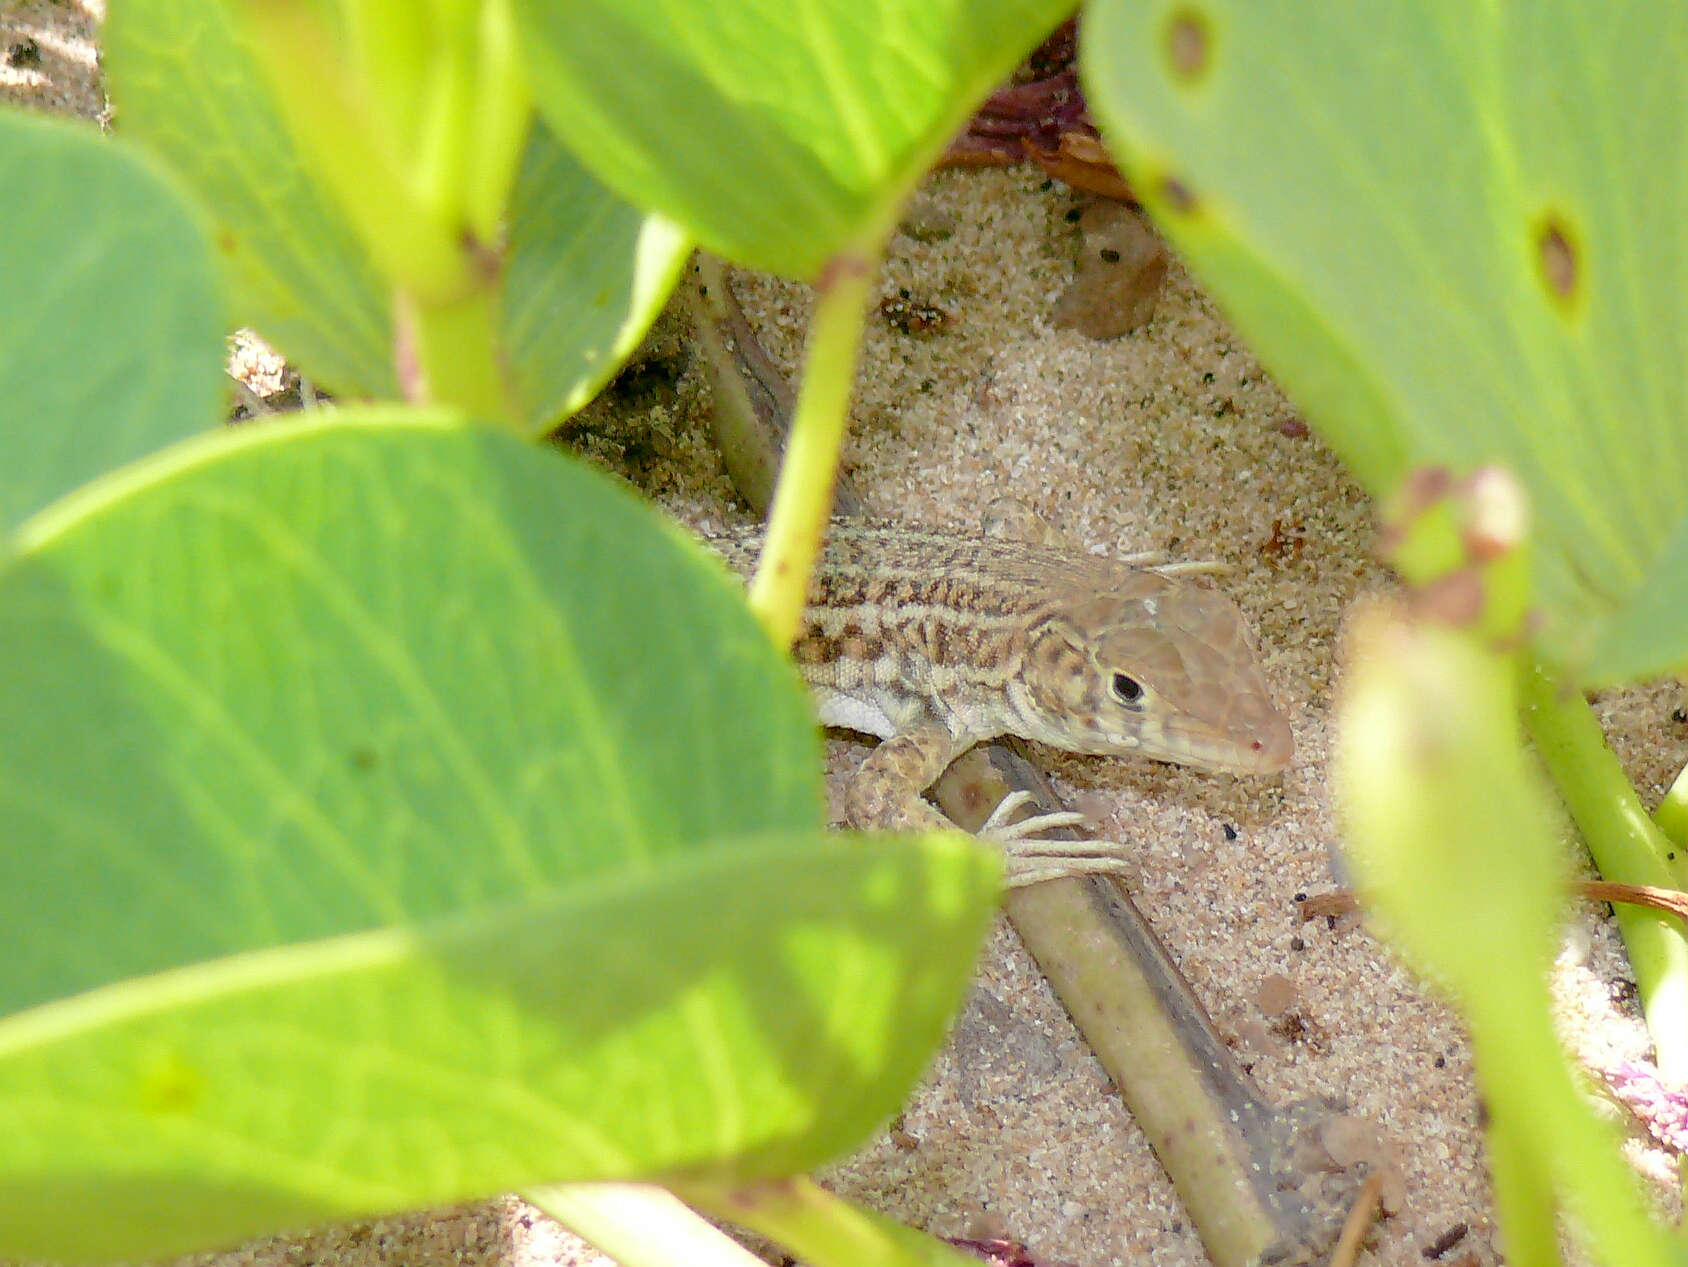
(1265, 733)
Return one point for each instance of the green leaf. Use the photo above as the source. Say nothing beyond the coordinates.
(393, 813)
(1453, 234)
(351, 651)
(587, 274)
(746, 1010)
(185, 82)
(777, 134)
(1648, 630)
(113, 338)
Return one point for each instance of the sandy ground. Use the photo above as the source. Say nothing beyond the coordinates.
(1171, 438)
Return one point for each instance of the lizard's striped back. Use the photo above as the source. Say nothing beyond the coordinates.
(992, 636)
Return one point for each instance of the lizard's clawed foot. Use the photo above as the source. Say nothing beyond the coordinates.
(1032, 859)
(1190, 567)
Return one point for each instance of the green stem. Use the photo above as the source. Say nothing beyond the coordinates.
(820, 1228)
(452, 354)
(1627, 846)
(640, 1226)
(503, 110)
(803, 498)
(1545, 1141)
(444, 144)
(1672, 814)
(1523, 1194)
(333, 125)
(387, 51)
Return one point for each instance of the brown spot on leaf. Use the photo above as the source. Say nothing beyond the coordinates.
(1558, 259)
(1187, 44)
(169, 1085)
(1178, 196)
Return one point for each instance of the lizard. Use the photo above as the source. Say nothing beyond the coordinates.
(937, 641)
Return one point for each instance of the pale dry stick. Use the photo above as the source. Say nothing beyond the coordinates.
(639, 1223)
(1254, 1182)
(752, 402)
(1358, 1223)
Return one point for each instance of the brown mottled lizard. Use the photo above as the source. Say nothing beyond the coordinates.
(935, 642)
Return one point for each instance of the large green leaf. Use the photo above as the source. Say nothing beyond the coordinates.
(777, 133)
(392, 812)
(587, 274)
(1454, 234)
(113, 337)
(185, 83)
(746, 1010)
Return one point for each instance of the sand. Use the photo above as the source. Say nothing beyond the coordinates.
(1171, 438)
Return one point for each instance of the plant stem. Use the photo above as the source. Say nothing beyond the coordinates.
(803, 497)
(332, 123)
(1627, 846)
(1545, 1143)
(820, 1228)
(1523, 1188)
(453, 346)
(440, 157)
(503, 111)
(640, 1226)
(1672, 814)
(427, 200)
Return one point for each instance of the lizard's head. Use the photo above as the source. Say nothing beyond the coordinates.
(1157, 667)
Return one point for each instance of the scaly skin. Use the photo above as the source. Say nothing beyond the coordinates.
(936, 641)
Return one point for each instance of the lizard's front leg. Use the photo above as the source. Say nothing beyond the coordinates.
(886, 795)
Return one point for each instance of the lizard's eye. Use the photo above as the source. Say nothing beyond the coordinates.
(1127, 690)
